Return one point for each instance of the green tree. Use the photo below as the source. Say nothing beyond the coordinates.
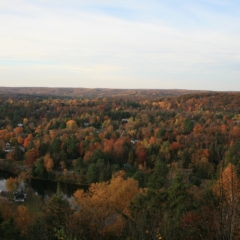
(56, 212)
(8, 229)
(98, 154)
(56, 145)
(18, 154)
(39, 169)
(159, 176)
(139, 176)
(186, 158)
(147, 215)
(187, 126)
(38, 230)
(177, 204)
(78, 165)
(55, 150)
(71, 147)
(92, 173)
(43, 148)
(105, 172)
(233, 156)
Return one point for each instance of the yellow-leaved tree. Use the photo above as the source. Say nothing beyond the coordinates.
(48, 162)
(11, 184)
(104, 206)
(23, 219)
(227, 188)
(71, 124)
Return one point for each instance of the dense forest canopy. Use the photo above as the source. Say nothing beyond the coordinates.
(158, 164)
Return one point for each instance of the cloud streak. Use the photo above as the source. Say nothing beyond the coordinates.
(86, 45)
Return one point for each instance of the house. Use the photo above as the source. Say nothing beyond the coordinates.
(133, 141)
(8, 145)
(125, 120)
(8, 148)
(86, 124)
(22, 148)
(19, 197)
(127, 166)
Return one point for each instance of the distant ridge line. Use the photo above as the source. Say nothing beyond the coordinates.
(97, 92)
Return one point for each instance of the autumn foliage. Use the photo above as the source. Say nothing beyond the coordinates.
(181, 149)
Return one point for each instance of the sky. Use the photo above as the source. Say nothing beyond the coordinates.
(136, 44)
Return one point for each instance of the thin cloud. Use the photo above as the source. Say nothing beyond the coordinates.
(103, 50)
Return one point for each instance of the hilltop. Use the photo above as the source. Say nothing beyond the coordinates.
(96, 92)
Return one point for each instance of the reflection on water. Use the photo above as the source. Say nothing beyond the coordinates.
(47, 188)
(3, 177)
(2, 184)
(43, 187)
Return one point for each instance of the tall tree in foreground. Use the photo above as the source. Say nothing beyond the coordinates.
(227, 188)
(104, 206)
(56, 212)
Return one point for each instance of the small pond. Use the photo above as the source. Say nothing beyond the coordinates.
(44, 188)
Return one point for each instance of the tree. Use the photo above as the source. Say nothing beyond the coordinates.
(179, 201)
(56, 212)
(159, 175)
(17, 154)
(31, 156)
(92, 173)
(187, 126)
(48, 162)
(71, 124)
(104, 206)
(55, 150)
(40, 169)
(78, 164)
(186, 158)
(23, 219)
(139, 176)
(148, 213)
(233, 156)
(227, 188)
(71, 145)
(11, 184)
(8, 229)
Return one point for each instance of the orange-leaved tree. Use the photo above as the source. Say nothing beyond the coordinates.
(48, 162)
(23, 219)
(227, 188)
(11, 184)
(104, 206)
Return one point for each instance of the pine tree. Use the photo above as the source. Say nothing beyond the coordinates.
(158, 178)
(57, 211)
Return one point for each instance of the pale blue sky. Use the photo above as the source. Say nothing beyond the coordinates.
(154, 44)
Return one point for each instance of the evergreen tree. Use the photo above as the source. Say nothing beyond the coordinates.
(159, 176)
(139, 176)
(177, 205)
(8, 229)
(40, 170)
(187, 126)
(56, 212)
(92, 173)
(18, 154)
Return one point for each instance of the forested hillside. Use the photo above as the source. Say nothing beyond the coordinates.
(156, 167)
(94, 92)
